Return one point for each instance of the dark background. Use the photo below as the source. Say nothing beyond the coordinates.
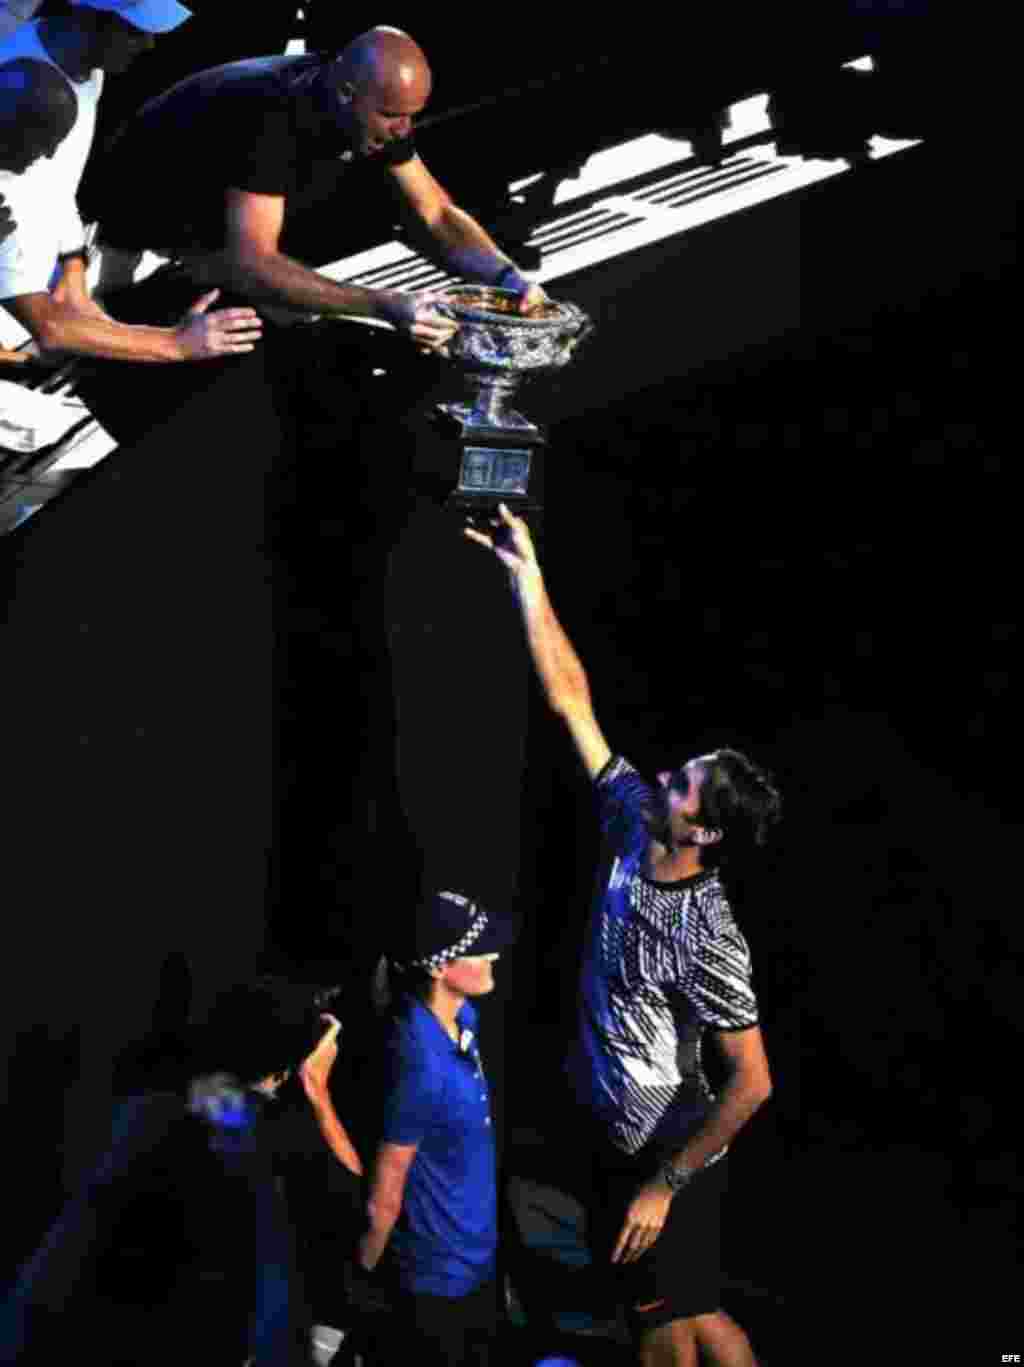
(801, 539)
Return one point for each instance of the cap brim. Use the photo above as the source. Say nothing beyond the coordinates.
(152, 16)
(498, 934)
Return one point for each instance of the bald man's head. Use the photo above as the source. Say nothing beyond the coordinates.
(38, 109)
(389, 60)
(385, 77)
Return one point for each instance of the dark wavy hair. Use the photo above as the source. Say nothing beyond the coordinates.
(408, 980)
(740, 799)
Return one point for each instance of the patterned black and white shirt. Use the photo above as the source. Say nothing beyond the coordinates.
(662, 963)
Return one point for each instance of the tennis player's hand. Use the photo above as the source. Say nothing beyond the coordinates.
(645, 1219)
(509, 538)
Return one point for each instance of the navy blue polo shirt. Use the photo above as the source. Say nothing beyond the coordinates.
(445, 1240)
(251, 125)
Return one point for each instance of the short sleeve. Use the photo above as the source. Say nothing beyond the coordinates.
(29, 255)
(623, 799)
(414, 1092)
(262, 155)
(719, 977)
(397, 153)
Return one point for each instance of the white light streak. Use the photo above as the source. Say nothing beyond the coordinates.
(746, 119)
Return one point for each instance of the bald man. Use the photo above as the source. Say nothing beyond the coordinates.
(220, 171)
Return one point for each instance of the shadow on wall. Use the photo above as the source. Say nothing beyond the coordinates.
(155, 1061)
(62, 1073)
(899, 928)
(42, 1063)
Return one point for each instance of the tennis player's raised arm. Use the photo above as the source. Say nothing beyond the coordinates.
(559, 669)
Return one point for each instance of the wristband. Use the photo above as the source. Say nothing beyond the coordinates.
(81, 252)
(676, 1178)
(508, 270)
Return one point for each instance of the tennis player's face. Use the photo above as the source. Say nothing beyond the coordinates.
(471, 977)
(677, 812)
(681, 787)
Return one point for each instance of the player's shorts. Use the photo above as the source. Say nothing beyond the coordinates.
(680, 1274)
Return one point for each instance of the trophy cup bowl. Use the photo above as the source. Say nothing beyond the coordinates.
(497, 347)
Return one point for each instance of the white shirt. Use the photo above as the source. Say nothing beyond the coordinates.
(42, 199)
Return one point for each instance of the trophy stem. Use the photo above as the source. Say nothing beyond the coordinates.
(491, 392)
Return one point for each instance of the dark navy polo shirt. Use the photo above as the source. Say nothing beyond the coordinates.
(251, 125)
(445, 1240)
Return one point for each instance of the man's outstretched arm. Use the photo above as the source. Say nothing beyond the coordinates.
(252, 263)
(58, 329)
(558, 667)
(465, 246)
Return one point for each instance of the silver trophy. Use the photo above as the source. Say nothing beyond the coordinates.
(497, 347)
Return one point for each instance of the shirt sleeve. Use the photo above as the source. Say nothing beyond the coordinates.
(413, 1096)
(28, 256)
(397, 153)
(623, 799)
(66, 176)
(262, 155)
(719, 980)
(70, 228)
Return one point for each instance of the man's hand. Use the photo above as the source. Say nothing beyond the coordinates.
(7, 223)
(315, 1069)
(511, 543)
(645, 1219)
(205, 336)
(416, 317)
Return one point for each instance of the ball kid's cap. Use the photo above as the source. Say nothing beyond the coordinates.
(152, 16)
(448, 926)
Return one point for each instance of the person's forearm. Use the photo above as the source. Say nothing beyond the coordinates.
(72, 290)
(71, 286)
(334, 1133)
(468, 249)
(74, 333)
(273, 278)
(735, 1106)
(382, 1220)
(558, 667)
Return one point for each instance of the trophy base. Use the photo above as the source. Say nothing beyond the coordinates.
(483, 508)
(489, 475)
(459, 418)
